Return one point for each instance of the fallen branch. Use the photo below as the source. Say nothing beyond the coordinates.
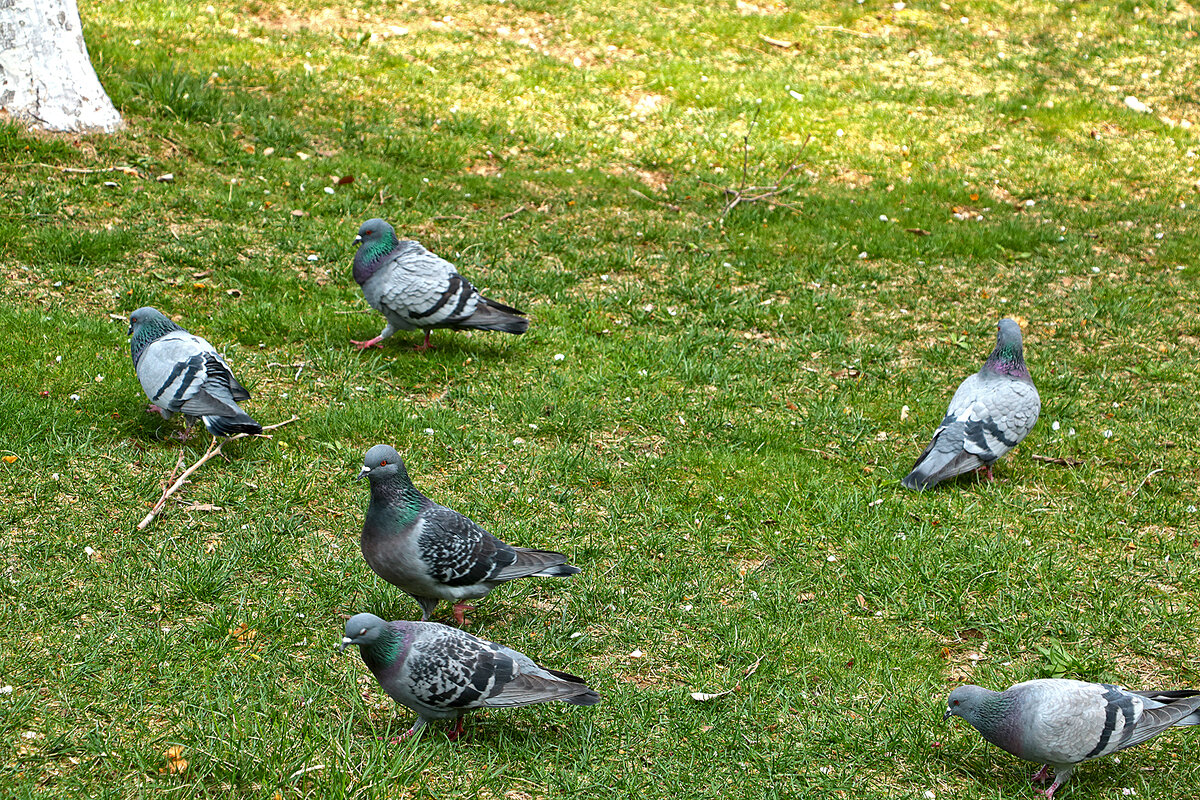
(840, 29)
(512, 213)
(753, 194)
(1062, 462)
(81, 171)
(645, 196)
(213, 450)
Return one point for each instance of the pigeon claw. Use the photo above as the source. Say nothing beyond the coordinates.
(1042, 775)
(457, 733)
(421, 348)
(153, 409)
(460, 616)
(368, 343)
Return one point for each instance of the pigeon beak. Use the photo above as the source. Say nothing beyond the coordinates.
(130, 331)
(947, 715)
(345, 641)
(358, 238)
(362, 473)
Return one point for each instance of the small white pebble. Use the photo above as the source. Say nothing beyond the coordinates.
(1030, 203)
(328, 190)
(929, 794)
(559, 356)
(604, 278)
(883, 218)
(54, 476)
(518, 440)
(841, 132)
(429, 431)
(6, 690)
(1191, 509)
(1054, 425)
(58, 359)
(1071, 432)
(1108, 433)
(863, 255)
(99, 378)
(687, 607)
(636, 654)
(75, 397)
(1158, 235)
(575, 635)
(29, 735)
(964, 20)
(313, 257)
(1095, 269)
(831, 559)
(825, 770)
(89, 551)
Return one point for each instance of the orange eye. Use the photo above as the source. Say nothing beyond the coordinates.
(383, 463)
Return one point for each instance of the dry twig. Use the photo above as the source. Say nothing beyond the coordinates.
(213, 450)
(745, 193)
(1062, 462)
(512, 213)
(662, 203)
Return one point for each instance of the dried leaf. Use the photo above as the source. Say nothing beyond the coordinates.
(776, 42)
(342, 181)
(918, 231)
(701, 697)
(9, 459)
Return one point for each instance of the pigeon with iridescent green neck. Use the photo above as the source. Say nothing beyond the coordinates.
(435, 553)
(441, 672)
(1059, 723)
(992, 411)
(416, 290)
(183, 374)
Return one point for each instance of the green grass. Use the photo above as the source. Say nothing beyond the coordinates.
(720, 445)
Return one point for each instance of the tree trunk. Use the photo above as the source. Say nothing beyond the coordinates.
(46, 78)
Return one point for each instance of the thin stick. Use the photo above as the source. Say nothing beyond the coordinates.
(512, 213)
(213, 449)
(82, 171)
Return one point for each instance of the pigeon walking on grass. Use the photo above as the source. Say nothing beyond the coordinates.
(435, 553)
(182, 373)
(441, 672)
(1059, 723)
(992, 411)
(416, 290)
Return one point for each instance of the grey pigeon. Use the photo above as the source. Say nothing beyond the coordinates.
(433, 552)
(992, 411)
(441, 672)
(182, 373)
(1059, 723)
(416, 290)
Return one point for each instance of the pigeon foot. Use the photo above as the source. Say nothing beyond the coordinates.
(460, 616)
(421, 348)
(368, 343)
(457, 733)
(1042, 775)
(153, 409)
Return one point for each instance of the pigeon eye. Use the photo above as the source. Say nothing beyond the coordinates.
(363, 632)
(383, 463)
(954, 703)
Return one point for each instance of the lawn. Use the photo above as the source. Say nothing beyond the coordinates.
(710, 413)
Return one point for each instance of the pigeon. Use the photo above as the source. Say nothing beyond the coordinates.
(182, 373)
(992, 411)
(1059, 723)
(441, 672)
(417, 290)
(435, 553)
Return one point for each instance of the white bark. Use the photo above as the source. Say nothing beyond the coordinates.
(46, 77)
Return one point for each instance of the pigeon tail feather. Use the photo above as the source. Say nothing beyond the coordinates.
(228, 426)
(529, 562)
(933, 467)
(493, 316)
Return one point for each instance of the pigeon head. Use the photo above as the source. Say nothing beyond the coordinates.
(363, 630)
(381, 463)
(969, 702)
(147, 316)
(1008, 358)
(375, 240)
(145, 326)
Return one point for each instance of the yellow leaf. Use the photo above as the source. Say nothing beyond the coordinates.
(8, 459)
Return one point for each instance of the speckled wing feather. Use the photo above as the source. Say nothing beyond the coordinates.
(449, 669)
(181, 372)
(457, 551)
(418, 289)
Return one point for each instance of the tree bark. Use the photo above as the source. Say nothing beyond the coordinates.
(46, 77)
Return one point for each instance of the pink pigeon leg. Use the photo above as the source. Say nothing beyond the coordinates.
(421, 348)
(153, 409)
(460, 615)
(1042, 775)
(457, 733)
(368, 343)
